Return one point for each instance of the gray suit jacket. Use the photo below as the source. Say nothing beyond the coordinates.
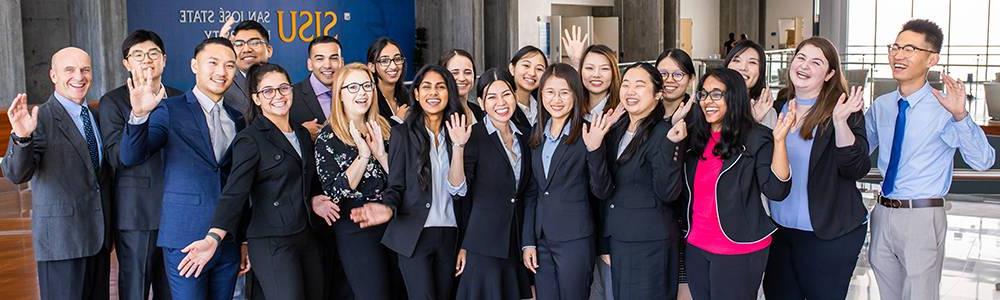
(70, 203)
(238, 94)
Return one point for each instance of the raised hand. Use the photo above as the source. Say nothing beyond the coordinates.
(678, 132)
(359, 141)
(762, 105)
(848, 105)
(574, 43)
(785, 122)
(401, 111)
(593, 133)
(617, 113)
(681, 112)
(371, 214)
(227, 28)
(313, 126)
(375, 141)
(21, 119)
(324, 207)
(143, 93)
(199, 253)
(954, 100)
(458, 129)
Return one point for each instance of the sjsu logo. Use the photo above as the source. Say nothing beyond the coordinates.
(304, 25)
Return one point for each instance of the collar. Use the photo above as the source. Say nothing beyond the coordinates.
(532, 104)
(548, 127)
(490, 128)
(318, 87)
(599, 108)
(919, 95)
(809, 101)
(71, 107)
(203, 100)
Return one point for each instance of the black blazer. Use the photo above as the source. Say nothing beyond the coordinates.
(402, 97)
(269, 182)
(305, 106)
(495, 201)
(138, 196)
(562, 206)
(645, 184)
(742, 179)
(479, 114)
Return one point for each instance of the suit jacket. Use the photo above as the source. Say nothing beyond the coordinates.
(272, 178)
(402, 97)
(138, 195)
(238, 94)
(192, 177)
(495, 201)
(562, 206)
(305, 106)
(70, 203)
(645, 184)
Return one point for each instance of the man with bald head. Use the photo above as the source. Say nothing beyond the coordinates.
(57, 147)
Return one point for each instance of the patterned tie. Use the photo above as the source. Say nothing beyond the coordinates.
(219, 140)
(88, 130)
(888, 185)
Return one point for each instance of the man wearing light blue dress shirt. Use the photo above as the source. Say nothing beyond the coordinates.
(918, 129)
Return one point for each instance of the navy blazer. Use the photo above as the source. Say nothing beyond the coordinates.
(562, 205)
(306, 106)
(192, 178)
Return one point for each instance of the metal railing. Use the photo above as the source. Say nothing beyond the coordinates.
(958, 174)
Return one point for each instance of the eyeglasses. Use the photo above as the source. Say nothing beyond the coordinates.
(907, 50)
(140, 56)
(385, 60)
(552, 93)
(676, 75)
(714, 95)
(354, 88)
(268, 93)
(253, 43)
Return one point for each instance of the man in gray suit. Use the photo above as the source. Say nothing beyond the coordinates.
(252, 44)
(57, 146)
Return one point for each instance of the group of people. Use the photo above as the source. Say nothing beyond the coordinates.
(526, 180)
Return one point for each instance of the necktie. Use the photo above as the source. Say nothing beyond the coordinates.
(219, 139)
(88, 131)
(888, 185)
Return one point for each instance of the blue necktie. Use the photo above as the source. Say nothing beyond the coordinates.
(897, 146)
(88, 130)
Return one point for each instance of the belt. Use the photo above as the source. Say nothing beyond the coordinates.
(910, 203)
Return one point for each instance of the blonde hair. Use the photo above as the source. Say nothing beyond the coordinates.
(338, 120)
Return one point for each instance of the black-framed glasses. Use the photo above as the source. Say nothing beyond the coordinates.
(269, 92)
(140, 56)
(714, 95)
(356, 87)
(676, 75)
(385, 60)
(253, 43)
(906, 50)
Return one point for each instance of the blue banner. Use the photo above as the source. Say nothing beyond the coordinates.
(292, 24)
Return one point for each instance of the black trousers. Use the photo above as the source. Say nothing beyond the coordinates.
(77, 278)
(337, 287)
(729, 277)
(430, 273)
(644, 270)
(802, 266)
(565, 269)
(367, 263)
(140, 266)
(288, 267)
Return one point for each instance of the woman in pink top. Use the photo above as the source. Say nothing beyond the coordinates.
(732, 160)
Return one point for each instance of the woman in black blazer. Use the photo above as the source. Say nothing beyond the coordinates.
(425, 168)
(822, 222)
(351, 161)
(567, 163)
(640, 227)
(732, 160)
(387, 63)
(273, 183)
(497, 171)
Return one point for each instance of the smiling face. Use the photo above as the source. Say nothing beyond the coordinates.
(71, 73)
(499, 102)
(913, 66)
(557, 98)
(389, 64)
(638, 93)
(596, 73)
(357, 93)
(145, 55)
(461, 68)
(324, 61)
(528, 70)
(748, 65)
(214, 68)
(809, 70)
(432, 93)
(714, 109)
(249, 54)
(673, 89)
(274, 95)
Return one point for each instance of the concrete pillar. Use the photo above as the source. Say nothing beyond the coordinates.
(645, 28)
(833, 22)
(11, 51)
(740, 16)
(500, 32)
(450, 24)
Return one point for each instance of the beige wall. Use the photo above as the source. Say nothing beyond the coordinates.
(704, 33)
(777, 9)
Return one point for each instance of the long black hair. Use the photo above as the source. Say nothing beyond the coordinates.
(736, 122)
(416, 122)
(747, 45)
(645, 126)
(254, 75)
(373, 52)
(572, 77)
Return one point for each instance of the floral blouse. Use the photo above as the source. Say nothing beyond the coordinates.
(333, 157)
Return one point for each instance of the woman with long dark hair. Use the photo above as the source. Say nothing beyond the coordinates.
(747, 58)
(527, 65)
(823, 221)
(732, 160)
(386, 60)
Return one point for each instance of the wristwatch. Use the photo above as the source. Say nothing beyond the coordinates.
(20, 140)
(214, 236)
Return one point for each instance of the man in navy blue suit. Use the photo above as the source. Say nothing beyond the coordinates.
(193, 131)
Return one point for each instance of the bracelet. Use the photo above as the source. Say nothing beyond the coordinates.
(214, 236)
(458, 145)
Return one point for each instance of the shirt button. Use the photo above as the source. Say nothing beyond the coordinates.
(546, 193)
(512, 200)
(276, 203)
(428, 205)
(612, 206)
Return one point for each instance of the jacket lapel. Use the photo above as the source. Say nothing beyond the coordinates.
(311, 100)
(820, 141)
(69, 130)
(277, 138)
(537, 167)
(495, 141)
(557, 159)
(202, 143)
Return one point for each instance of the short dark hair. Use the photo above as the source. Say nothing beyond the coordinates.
(252, 25)
(931, 31)
(732, 35)
(212, 40)
(326, 39)
(138, 37)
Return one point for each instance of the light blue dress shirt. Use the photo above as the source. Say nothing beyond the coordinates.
(74, 113)
(513, 153)
(793, 212)
(550, 144)
(929, 143)
(442, 213)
